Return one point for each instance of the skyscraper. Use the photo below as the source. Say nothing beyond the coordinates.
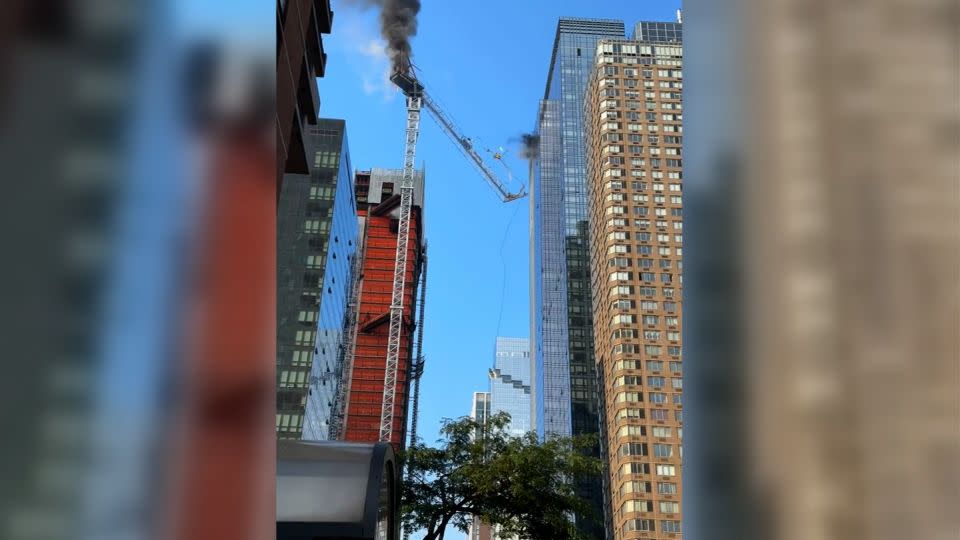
(316, 240)
(480, 408)
(510, 382)
(634, 138)
(378, 204)
(300, 60)
(565, 386)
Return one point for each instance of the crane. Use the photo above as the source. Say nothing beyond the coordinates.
(406, 80)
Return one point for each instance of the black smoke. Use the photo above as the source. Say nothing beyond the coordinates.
(530, 146)
(398, 23)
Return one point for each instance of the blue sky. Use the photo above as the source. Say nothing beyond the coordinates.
(486, 62)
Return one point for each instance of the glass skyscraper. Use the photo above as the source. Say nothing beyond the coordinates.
(565, 383)
(316, 242)
(510, 382)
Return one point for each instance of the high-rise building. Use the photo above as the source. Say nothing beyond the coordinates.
(634, 137)
(300, 60)
(378, 204)
(510, 382)
(316, 242)
(564, 384)
(480, 411)
(480, 407)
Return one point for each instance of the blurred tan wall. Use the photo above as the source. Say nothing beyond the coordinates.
(823, 232)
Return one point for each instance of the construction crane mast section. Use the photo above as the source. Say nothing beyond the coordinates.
(406, 80)
(392, 364)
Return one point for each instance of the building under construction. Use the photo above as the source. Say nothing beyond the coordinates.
(378, 205)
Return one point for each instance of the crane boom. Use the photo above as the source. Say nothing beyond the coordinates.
(465, 145)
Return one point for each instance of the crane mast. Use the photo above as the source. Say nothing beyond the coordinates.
(405, 79)
(391, 368)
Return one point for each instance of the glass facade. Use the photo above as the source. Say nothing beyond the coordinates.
(658, 32)
(316, 241)
(565, 383)
(510, 382)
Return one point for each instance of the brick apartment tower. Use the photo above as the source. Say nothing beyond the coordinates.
(378, 208)
(634, 134)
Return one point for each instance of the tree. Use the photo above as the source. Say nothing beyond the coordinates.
(519, 483)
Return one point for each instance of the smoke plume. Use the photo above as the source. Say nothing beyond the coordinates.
(398, 23)
(530, 146)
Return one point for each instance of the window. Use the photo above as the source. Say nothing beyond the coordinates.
(666, 488)
(663, 450)
(657, 398)
(304, 337)
(632, 413)
(675, 366)
(645, 250)
(677, 383)
(632, 431)
(658, 414)
(653, 350)
(632, 449)
(678, 399)
(669, 507)
(621, 289)
(673, 350)
(666, 470)
(673, 335)
(636, 506)
(644, 236)
(669, 526)
(617, 222)
(301, 358)
(656, 382)
(624, 333)
(307, 316)
(635, 468)
(654, 365)
(635, 487)
(648, 276)
(671, 321)
(668, 292)
(629, 397)
(623, 319)
(664, 432)
(670, 306)
(651, 320)
(638, 525)
(619, 276)
(314, 261)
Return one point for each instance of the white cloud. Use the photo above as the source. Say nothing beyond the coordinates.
(364, 50)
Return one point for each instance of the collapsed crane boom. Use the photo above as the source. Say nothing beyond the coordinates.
(465, 145)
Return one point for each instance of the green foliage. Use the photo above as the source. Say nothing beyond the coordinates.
(520, 483)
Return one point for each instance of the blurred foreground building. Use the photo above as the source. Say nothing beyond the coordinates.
(634, 144)
(822, 201)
